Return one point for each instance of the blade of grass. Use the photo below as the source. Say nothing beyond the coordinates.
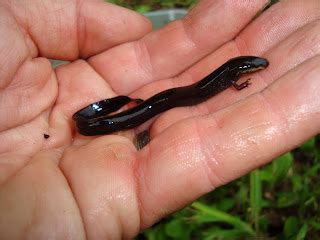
(303, 232)
(224, 234)
(255, 197)
(281, 166)
(220, 216)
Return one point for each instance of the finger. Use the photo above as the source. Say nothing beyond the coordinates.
(62, 30)
(23, 80)
(300, 45)
(170, 50)
(103, 182)
(36, 203)
(275, 24)
(26, 139)
(72, 29)
(32, 90)
(202, 153)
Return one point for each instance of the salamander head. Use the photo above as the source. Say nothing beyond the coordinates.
(247, 64)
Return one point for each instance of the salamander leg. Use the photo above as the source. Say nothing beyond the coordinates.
(142, 139)
(241, 85)
(137, 100)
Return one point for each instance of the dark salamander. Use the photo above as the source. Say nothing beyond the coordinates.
(96, 119)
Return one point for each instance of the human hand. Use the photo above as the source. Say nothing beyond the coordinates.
(69, 186)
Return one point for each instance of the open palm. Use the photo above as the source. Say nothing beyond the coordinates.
(74, 187)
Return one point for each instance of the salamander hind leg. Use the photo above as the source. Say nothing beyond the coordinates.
(137, 100)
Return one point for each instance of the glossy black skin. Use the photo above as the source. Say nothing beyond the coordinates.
(96, 119)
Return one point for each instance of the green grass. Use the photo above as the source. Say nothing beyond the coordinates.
(278, 201)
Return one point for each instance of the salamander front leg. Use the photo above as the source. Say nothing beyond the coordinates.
(241, 85)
